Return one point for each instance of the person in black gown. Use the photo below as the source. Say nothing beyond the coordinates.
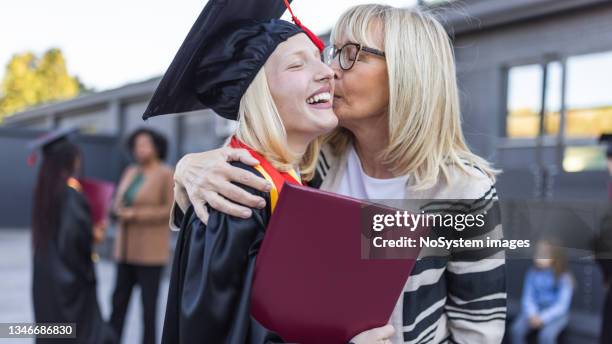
(246, 65)
(64, 280)
(603, 250)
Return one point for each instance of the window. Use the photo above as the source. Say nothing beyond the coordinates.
(524, 101)
(525, 85)
(584, 158)
(585, 115)
(589, 95)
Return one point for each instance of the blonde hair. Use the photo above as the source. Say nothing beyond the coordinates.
(260, 127)
(425, 135)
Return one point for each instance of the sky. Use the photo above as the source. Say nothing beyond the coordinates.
(115, 42)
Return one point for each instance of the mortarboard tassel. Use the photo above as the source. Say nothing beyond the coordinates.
(32, 159)
(314, 38)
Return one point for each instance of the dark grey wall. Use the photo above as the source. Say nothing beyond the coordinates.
(102, 160)
(482, 55)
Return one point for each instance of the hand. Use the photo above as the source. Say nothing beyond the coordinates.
(379, 335)
(207, 177)
(535, 322)
(99, 230)
(126, 213)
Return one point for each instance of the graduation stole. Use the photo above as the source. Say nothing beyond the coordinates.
(271, 174)
(75, 184)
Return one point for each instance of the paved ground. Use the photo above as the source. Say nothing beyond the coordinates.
(15, 288)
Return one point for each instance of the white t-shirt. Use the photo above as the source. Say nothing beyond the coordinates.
(355, 183)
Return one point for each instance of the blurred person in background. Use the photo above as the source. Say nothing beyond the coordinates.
(547, 295)
(603, 249)
(63, 233)
(142, 205)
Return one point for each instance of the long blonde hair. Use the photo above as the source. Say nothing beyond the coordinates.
(260, 127)
(425, 136)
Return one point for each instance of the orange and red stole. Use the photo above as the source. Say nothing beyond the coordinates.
(271, 174)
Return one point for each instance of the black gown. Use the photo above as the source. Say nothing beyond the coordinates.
(212, 271)
(603, 246)
(64, 281)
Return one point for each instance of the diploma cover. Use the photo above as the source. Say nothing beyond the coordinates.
(311, 284)
(99, 195)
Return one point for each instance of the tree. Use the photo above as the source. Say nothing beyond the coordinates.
(29, 81)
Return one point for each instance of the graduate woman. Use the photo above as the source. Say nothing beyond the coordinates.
(64, 280)
(268, 75)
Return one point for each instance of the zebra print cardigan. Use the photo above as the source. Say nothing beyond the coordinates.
(459, 297)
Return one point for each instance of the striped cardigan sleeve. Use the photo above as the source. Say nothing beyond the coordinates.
(476, 297)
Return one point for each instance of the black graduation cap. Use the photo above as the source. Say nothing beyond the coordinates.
(48, 141)
(226, 47)
(607, 139)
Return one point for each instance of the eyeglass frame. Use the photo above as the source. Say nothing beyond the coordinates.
(360, 47)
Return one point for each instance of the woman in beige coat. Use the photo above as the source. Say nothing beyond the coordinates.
(142, 205)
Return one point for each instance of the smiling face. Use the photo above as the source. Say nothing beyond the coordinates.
(362, 92)
(302, 88)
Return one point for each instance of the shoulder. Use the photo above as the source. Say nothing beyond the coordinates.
(165, 168)
(74, 196)
(218, 218)
(468, 182)
(255, 172)
(130, 171)
(165, 171)
(75, 203)
(567, 278)
(326, 159)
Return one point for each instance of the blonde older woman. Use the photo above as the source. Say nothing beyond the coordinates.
(399, 137)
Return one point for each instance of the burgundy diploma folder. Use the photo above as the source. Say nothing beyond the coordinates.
(99, 195)
(311, 284)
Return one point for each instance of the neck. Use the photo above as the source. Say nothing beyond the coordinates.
(298, 143)
(149, 164)
(371, 139)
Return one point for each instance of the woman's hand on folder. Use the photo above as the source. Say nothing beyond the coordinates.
(379, 335)
(207, 177)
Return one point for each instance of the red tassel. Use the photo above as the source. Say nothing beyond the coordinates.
(314, 38)
(32, 159)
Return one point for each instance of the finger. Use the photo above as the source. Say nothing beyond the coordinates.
(247, 178)
(242, 155)
(384, 332)
(223, 205)
(201, 212)
(239, 195)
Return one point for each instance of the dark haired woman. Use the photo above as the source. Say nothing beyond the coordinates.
(64, 281)
(142, 204)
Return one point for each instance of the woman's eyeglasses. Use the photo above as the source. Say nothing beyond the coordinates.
(349, 53)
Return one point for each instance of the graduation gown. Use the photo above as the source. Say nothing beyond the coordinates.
(603, 246)
(212, 272)
(64, 281)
